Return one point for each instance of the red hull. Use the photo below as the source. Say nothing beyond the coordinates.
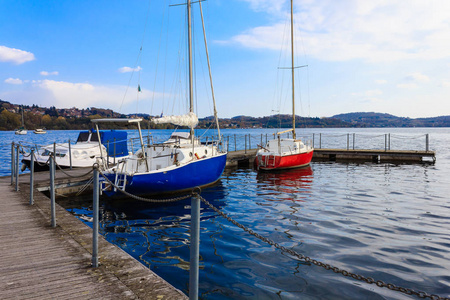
(272, 162)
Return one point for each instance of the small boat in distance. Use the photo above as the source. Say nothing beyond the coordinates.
(90, 147)
(285, 153)
(39, 131)
(21, 130)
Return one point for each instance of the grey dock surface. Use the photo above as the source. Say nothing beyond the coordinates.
(246, 157)
(41, 262)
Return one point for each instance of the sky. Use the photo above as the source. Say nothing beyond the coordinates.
(384, 56)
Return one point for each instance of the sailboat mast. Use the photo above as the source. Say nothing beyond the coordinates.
(292, 66)
(191, 89)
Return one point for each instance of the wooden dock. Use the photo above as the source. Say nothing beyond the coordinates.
(246, 157)
(41, 262)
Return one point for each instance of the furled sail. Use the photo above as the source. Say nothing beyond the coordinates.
(190, 120)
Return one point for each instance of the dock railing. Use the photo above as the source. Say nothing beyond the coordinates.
(344, 141)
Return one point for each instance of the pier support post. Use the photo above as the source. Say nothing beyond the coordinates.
(320, 141)
(52, 189)
(31, 176)
(12, 163)
(235, 148)
(427, 142)
(353, 141)
(195, 248)
(313, 141)
(16, 169)
(95, 213)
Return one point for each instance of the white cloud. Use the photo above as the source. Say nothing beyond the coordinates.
(13, 81)
(373, 31)
(373, 93)
(266, 5)
(417, 77)
(16, 56)
(45, 73)
(381, 81)
(410, 85)
(62, 94)
(128, 69)
(445, 84)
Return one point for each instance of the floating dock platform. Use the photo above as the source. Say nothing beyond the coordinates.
(246, 157)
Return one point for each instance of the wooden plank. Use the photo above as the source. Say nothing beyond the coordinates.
(40, 262)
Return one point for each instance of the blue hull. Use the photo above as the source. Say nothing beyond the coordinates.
(197, 173)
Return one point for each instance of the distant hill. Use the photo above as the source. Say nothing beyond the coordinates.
(373, 119)
(74, 118)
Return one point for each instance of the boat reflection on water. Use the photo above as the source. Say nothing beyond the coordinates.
(158, 235)
(293, 184)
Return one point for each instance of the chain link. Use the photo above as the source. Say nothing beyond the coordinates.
(142, 198)
(307, 259)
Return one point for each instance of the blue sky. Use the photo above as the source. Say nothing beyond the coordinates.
(383, 56)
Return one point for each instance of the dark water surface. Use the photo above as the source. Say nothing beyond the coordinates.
(386, 221)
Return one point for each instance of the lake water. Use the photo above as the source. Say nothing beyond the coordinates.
(386, 221)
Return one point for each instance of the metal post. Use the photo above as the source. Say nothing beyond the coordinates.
(348, 141)
(31, 176)
(261, 139)
(320, 141)
(70, 155)
(353, 141)
(52, 190)
(427, 142)
(12, 163)
(245, 144)
(235, 148)
(228, 143)
(195, 248)
(385, 142)
(17, 168)
(95, 213)
(313, 141)
(266, 138)
(389, 141)
(249, 143)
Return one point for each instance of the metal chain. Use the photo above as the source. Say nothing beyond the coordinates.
(72, 176)
(142, 198)
(302, 257)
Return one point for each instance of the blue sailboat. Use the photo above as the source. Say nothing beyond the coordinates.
(179, 164)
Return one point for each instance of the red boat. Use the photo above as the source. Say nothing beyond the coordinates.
(285, 153)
